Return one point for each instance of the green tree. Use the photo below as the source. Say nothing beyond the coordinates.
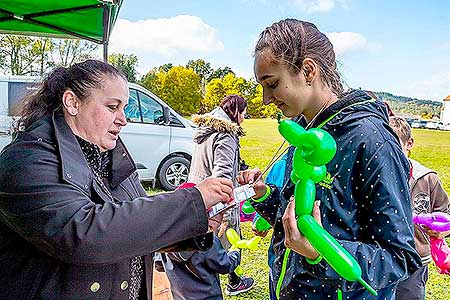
(215, 92)
(218, 88)
(126, 63)
(43, 47)
(70, 51)
(180, 89)
(220, 73)
(18, 55)
(203, 69)
(166, 67)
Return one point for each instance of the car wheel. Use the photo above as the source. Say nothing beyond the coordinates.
(174, 172)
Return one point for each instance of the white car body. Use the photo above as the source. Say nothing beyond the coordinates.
(157, 137)
(431, 125)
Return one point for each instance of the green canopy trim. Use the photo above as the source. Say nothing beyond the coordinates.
(91, 20)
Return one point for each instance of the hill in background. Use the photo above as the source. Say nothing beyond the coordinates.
(411, 106)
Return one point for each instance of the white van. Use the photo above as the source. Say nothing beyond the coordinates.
(158, 138)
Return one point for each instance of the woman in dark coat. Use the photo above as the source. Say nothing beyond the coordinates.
(75, 223)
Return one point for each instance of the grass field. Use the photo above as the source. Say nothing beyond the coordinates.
(257, 148)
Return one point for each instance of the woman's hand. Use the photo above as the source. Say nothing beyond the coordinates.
(249, 177)
(215, 190)
(293, 237)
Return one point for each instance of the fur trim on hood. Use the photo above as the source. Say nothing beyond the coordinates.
(215, 121)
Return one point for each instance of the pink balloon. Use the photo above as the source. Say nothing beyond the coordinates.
(437, 221)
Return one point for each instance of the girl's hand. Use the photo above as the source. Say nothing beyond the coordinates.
(249, 177)
(293, 237)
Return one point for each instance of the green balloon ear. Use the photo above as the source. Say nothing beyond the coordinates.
(318, 147)
(302, 169)
(292, 132)
(232, 236)
(262, 225)
(319, 173)
(247, 208)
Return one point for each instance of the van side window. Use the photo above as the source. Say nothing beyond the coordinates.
(133, 111)
(152, 111)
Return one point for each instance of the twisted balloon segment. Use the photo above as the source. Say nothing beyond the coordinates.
(438, 221)
(236, 242)
(315, 148)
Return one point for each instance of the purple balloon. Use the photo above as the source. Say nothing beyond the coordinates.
(437, 221)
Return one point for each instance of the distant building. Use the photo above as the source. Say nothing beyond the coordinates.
(445, 112)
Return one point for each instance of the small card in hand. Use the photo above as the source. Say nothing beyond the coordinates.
(240, 194)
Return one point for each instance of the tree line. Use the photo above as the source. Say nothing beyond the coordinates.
(196, 87)
(193, 88)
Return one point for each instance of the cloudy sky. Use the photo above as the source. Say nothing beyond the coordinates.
(402, 47)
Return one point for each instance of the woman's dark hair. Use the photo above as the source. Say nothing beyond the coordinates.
(291, 41)
(233, 105)
(80, 78)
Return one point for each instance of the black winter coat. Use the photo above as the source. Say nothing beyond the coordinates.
(365, 205)
(61, 237)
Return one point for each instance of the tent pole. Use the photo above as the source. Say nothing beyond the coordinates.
(105, 52)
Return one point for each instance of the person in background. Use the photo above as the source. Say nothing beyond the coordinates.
(75, 222)
(366, 181)
(216, 154)
(195, 274)
(427, 196)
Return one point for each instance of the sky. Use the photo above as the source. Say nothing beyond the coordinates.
(401, 47)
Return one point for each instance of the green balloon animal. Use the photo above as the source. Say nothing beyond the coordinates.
(315, 148)
(236, 243)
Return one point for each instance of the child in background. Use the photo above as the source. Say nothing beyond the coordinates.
(427, 196)
(195, 274)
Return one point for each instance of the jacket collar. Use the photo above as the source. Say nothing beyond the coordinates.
(75, 168)
(350, 98)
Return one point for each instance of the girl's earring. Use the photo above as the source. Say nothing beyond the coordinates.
(309, 83)
(73, 112)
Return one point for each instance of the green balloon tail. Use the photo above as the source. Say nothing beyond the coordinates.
(367, 286)
(283, 272)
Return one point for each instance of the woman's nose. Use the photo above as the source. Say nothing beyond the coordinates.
(121, 118)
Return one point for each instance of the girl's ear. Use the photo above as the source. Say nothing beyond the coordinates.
(310, 70)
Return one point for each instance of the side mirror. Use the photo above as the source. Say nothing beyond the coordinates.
(166, 115)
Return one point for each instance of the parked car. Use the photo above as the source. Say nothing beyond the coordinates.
(158, 138)
(418, 124)
(431, 125)
(443, 126)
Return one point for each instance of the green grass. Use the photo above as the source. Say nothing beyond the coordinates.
(432, 148)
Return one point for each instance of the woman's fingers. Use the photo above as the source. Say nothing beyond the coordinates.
(215, 190)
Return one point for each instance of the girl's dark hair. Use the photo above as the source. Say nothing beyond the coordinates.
(80, 78)
(233, 105)
(291, 41)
